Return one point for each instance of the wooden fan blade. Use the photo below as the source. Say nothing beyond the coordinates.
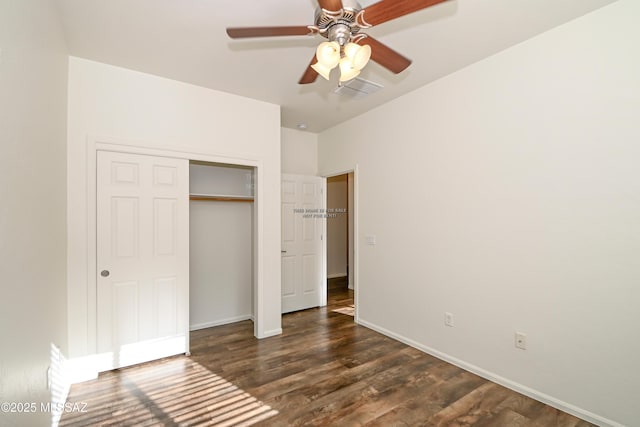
(310, 75)
(239, 33)
(330, 5)
(385, 56)
(386, 10)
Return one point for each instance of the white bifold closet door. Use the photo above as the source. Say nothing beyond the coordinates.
(142, 257)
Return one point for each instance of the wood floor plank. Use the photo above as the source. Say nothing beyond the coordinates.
(505, 417)
(324, 370)
(413, 412)
(389, 395)
(293, 383)
(472, 407)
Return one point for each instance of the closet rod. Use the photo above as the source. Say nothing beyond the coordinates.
(221, 198)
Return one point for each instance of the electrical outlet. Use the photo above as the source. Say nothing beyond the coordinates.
(448, 319)
(521, 340)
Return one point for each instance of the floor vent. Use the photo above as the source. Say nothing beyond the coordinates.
(358, 88)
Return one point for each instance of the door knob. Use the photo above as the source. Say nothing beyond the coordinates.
(104, 273)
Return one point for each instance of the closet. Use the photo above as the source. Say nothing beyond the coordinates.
(221, 216)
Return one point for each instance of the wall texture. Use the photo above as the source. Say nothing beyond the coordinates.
(221, 263)
(512, 201)
(33, 110)
(139, 109)
(299, 152)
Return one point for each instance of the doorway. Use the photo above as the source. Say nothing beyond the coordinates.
(221, 217)
(340, 243)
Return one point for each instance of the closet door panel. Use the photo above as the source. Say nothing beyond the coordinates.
(164, 227)
(142, 257)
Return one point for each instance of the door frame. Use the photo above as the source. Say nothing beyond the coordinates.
(355, 268)
(95, 144)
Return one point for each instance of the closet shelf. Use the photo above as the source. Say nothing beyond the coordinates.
(220, 198)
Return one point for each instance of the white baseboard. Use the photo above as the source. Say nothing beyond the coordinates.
(81, 369)
(220, 322)
(522, 389)
(336, 275)
(87, 368)
(271, 333)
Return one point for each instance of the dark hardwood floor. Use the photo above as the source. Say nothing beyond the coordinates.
(324, 370)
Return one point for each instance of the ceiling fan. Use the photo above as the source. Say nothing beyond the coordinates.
(341, 22)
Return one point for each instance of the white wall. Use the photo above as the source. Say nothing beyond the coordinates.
(33, 83)
(337, 226)
(512, 200)
(299, 152)
(220, 179)
(140, 109)
(221, 263)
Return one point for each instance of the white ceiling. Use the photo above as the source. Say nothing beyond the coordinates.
(185, 40)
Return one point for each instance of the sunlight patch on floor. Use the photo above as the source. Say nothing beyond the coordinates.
(349, 311)
(182, 391)
(208, 399)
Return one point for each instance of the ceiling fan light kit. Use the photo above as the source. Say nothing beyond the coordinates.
(340, 22)
(352, 58)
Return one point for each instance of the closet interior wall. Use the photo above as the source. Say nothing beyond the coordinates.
(221, 244)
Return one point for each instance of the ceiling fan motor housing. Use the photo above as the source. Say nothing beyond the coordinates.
(339, 26)
(340, 33)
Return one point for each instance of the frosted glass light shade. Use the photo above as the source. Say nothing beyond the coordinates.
(328, 54)
(347, 71)
(358, 55)
(361, 59)
(321, 69)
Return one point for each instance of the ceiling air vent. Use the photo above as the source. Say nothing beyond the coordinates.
(358, 88)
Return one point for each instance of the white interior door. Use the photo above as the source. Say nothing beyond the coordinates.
(142, 257)
(303, 220)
